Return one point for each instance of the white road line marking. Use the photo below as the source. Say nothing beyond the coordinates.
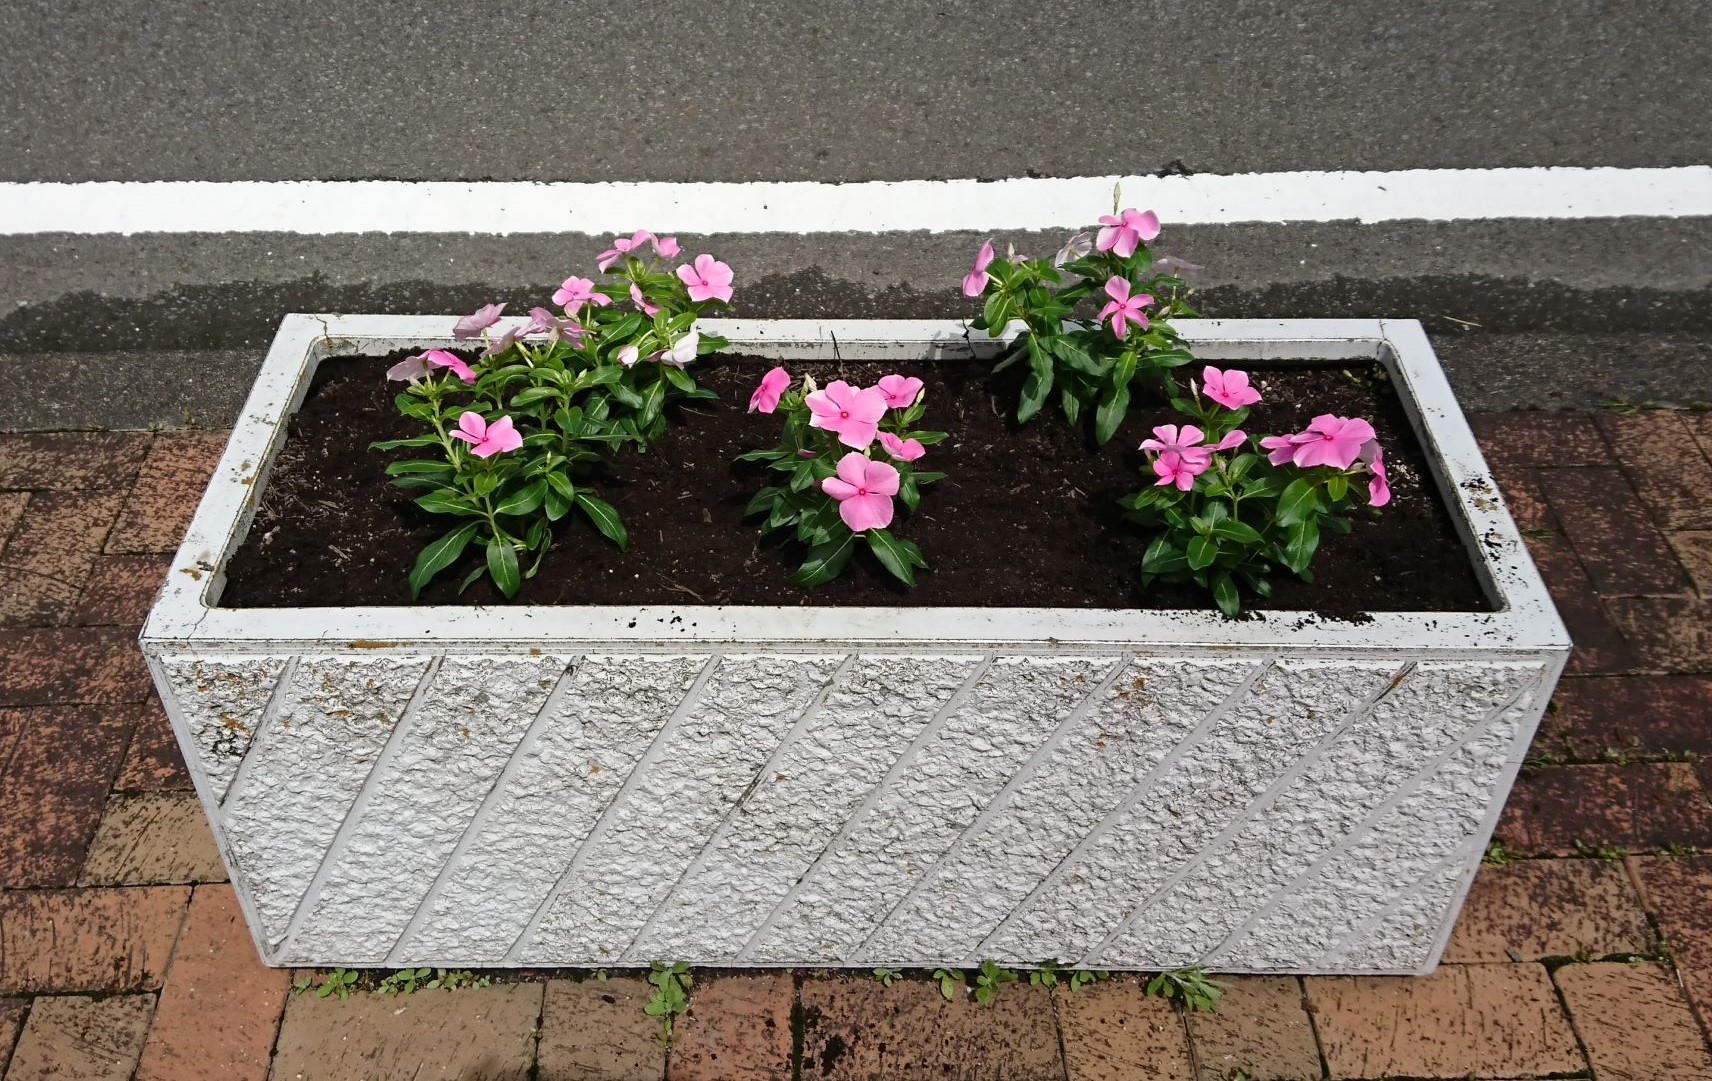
(320, 207)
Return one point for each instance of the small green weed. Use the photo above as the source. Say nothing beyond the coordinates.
(1190, 986)
(949, 981)
(1599, 851)
(988, 979)
(404, 982)
(341, 982)
(1045, 975)
(671, 998)
(1500, 855)
(1082, 977)
(888, 976)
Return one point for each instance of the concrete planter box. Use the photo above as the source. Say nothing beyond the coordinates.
(854, 786)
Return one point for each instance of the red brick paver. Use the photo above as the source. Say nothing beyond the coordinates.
(153, 763)
(88, 939)
(1634, 715)
(595, 1030)
(1669, 470)
(738, 1027)
(1536, 909)
(1634, 1022)
(1639, 807)
(1462, 1021)
(78, 1038)
(54, 789)
(93, 666)
(160, 506)
(1261, 1028)
(71, 461)
(220, 1006)
(1623, 554)
(1678, 892)
(1112, 1032)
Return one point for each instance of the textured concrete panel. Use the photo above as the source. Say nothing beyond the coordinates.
(1326, 917)
(868, 720)
(1371, 761)
(612, 708)
(1289, 709)
(675, 803)
(1149, 709)
(471, 717)
(1009, 712)
(221, 701)
(307, 765)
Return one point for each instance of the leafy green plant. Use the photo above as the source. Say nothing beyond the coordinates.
(340, 982)
(1082, 977)
(519, 432)
(1044, 975)
(1500, 854)
(988, 979)
(950, 982)
(1226, 517)
(888, 976)
(671, 997)
(403, 982)
(1089, 366)
(1190, 986)
(846, 453)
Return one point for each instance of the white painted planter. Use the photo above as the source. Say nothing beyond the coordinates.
(854, 786)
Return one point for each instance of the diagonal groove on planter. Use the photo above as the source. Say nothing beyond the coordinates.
(1419, 833)
(1417, 910)
(495, 793)
(1054, 878)
(1374, 815)
(738, 721)
(332, 721)
(1001, 724)
(656, 747)
(354, 810)
(1136, 723)
(1001, 799)
(252, 749)
(224, 702)
(746, 954)
(612, 709)
(1256, 807)
(809, 714)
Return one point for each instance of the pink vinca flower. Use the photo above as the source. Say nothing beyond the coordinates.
(1330, 440)
(667, 247)
(1230, 389)
(1168, 438)
(766, 396)
(1126, 232)
(864, 489)
(900, 392)
(650, 310)
(542, 321)
(1179, 470)
(975, 282)
(410, 368)
(904, 450)
(452, 362)
(628, 356)
(471, 325)
(622, 246)
(1074, 248)
(574, 292)
(1235, 439)
(1279, 448)
(707, 279)
(1124, 309)
(1379, 487)
(504, 340)
(487, 439)
(682, 352)
(852, 414)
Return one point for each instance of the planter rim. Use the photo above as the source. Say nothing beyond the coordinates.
(185, 613)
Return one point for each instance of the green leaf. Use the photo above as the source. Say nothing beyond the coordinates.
(1069, 404)
(1299, 501)
(523, 399)
(1225, 595)
(605, 518)
(762, 456)
(1202, 552)
(446, 501)
(678, 377)
(1074, 356)
(439, 555)
(1337, 487)
(502, 566)
(562, 484)
(894, 555)
(413, 441)
(825, 561)
(1303, 540)
(763, 499)
(909, 492)
(1039, 383)
(1114, 407)
(526, 501)
(401, 468)
(1231, 529)
(1160, 552)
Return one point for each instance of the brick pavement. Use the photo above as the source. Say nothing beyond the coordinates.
(1584, 950)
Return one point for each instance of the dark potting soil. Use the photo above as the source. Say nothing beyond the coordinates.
(1027, 517)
